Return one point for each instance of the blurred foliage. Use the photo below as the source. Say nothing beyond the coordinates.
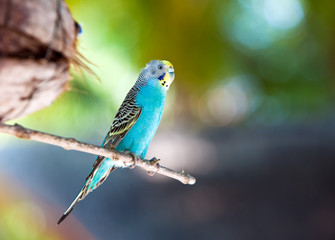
(253, 61)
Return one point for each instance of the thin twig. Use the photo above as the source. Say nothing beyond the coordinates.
(73, 144)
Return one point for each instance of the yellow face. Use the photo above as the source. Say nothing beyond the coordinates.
(168, 76)
(160, 70)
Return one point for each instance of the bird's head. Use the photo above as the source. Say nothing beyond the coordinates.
(162, 71)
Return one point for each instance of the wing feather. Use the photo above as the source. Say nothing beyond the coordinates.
(125, 118)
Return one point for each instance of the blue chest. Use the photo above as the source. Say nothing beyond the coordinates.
(151, 99)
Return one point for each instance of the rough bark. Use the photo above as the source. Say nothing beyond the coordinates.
(37, 44)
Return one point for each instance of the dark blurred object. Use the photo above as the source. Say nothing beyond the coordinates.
(37, 44)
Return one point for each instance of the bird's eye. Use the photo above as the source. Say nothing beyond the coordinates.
(160, 67)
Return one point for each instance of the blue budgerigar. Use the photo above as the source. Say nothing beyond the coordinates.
(134, 125)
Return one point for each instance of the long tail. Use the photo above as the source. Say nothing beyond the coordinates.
(69, 210)
(100, 171)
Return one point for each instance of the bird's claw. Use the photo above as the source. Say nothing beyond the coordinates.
(154, 161)
(132, 166)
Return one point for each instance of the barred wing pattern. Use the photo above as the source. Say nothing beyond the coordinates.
(126, 117)
(123, 122)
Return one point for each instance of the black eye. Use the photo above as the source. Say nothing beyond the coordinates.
(160, 67)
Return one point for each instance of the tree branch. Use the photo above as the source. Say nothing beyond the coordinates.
(73, 144)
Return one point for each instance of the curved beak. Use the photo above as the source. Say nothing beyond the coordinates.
(171, 70)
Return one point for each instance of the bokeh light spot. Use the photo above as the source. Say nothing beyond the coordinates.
(257, 24)
(284, 14)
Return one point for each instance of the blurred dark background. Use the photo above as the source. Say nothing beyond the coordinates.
(250, 114)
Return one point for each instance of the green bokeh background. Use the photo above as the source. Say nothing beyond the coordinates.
(278, 58)
(246, 70)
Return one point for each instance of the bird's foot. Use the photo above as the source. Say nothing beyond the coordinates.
(135, 158)
(154, 162)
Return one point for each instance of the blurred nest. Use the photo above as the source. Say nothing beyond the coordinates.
(37, 44)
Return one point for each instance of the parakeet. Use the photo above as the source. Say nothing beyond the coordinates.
(134, 125)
